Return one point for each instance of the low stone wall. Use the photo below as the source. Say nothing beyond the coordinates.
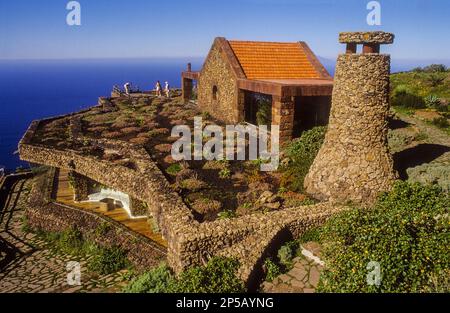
(51, 216)
(189, 242)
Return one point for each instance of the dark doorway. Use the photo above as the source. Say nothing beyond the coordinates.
(258, 108)
(194, 92)
(310, 112)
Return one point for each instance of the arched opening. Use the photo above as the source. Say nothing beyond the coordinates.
(214, 92)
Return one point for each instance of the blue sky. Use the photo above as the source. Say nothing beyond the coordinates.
(186, 28)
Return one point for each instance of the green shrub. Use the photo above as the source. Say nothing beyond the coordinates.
(225, 173)
(440, 122)
(435, 68)
(435, 80)
(102, 229)
(435, 173)
(226, 214)
(285, 255)
(312, 234)
(218, 276)
(301, 152)
(272, 270)
(402, 96)
(264, 114)
(432, 101)
(174, 169)
(108, 260)
(70, 241)
(157, 280)
(206, 115)
(406, 232)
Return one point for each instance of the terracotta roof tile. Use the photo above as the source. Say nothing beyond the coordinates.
(273, 60)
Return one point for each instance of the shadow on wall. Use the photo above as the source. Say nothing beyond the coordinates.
(420, 154)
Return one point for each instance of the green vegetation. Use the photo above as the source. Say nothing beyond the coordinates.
(432, 102)
(435, 173)
(272, 269)
(174, 169)
(225, 173)
(157, 280)
(312, 234)
(301, 153)
(218, 276)
(406, 232)
(108, 260)
(264, 114)
(423, 88)
(431, 80)
(402, 95)
(102, 229)
(440, 122)
(226, 214)
(284, 260)
(103, 260)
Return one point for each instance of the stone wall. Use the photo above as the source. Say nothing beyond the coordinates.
(44, 214)
(190, 243)
(283, 115)
(354, 162)
(216, 72)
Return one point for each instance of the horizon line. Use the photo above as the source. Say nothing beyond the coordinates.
(179, 57)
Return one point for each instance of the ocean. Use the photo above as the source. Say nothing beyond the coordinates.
(32, 89)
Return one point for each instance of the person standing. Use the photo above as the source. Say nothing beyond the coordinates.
(127, 88)
(158, 89)
(167, 89)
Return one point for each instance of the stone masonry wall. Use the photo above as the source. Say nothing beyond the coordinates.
(190, 243)
(43, 214)
(354, 162)
(216, 72)
(283, 115)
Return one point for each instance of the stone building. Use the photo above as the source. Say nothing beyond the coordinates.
(239, 77)
(354, 162)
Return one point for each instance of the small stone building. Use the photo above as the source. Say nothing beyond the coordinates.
(238, 78)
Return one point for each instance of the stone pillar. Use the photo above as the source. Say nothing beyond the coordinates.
(354, 162)
(283, 115)
(187, 86)
(80, 185)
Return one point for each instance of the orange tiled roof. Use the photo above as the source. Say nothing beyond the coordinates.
(273, 60)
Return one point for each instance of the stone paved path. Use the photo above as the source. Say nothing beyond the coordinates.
(28, 265)
(302, 278)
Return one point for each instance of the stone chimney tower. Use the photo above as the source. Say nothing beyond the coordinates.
(354, 162)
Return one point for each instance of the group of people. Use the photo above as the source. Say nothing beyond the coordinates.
(158, 88)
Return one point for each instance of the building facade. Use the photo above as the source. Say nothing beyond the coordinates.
(242, 81)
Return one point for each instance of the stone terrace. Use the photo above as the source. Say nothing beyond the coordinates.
(249, 238)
